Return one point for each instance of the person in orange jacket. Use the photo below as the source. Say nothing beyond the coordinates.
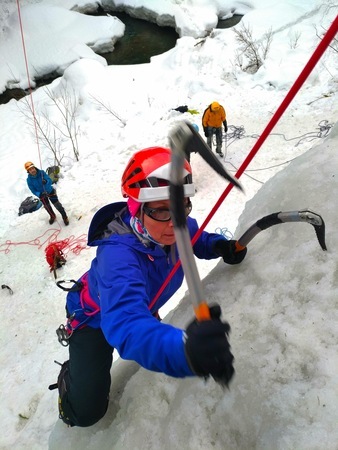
(213, 119)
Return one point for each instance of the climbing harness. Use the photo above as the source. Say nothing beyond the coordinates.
(88, 309)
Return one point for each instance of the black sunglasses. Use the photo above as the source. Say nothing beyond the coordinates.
(162, 214)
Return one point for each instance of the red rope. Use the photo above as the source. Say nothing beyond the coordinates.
(75, 245)
(317, 54)
(72, 243)
(28, 81)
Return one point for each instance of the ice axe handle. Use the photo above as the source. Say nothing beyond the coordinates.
(182, 235)
(202, 312)
(251, 232)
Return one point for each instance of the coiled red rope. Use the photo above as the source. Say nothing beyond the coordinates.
(71, 244)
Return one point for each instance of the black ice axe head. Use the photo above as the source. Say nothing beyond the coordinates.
(187, 138)
(304, 215)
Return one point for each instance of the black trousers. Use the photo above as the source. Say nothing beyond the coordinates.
(88, 378)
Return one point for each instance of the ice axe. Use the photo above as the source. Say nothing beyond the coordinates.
(184, 139)
(281, 217)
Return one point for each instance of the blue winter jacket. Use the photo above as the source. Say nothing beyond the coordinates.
(36, 185)
(123, 279)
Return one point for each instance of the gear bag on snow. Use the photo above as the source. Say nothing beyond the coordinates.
(181, 109)
(184, 108)
(55, 256)
(29, 205)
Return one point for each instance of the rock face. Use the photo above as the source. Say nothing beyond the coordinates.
(12, 93)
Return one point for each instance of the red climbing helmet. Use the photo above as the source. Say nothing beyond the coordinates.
(147, 175)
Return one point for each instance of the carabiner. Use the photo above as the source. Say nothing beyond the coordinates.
(63, 335)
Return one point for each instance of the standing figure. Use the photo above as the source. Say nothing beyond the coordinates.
(114, 304)
(40, 185)
(213, 119)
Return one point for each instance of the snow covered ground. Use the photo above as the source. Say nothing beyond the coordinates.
(281, 302)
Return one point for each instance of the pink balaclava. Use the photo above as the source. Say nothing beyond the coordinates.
(136, 224)
(133, 206)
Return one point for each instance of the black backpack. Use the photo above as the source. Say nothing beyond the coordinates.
(29, 205)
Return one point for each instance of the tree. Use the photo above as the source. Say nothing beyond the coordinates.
(55, 133)
(251, 53)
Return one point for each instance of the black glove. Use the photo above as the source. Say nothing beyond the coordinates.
(227, 249)
(225, 124)
(207, 348)
(206, 131)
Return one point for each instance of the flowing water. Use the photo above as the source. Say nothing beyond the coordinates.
(140, 42)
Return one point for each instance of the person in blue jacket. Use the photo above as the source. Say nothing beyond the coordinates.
(115, 304)
(40, 184)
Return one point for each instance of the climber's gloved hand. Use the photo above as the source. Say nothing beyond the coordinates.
(207, 348)
(227, 249)
(206, 131)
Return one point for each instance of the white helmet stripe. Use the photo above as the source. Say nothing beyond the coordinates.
(163, 172)
(162, 193)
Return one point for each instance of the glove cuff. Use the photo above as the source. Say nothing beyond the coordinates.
(227, 250)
